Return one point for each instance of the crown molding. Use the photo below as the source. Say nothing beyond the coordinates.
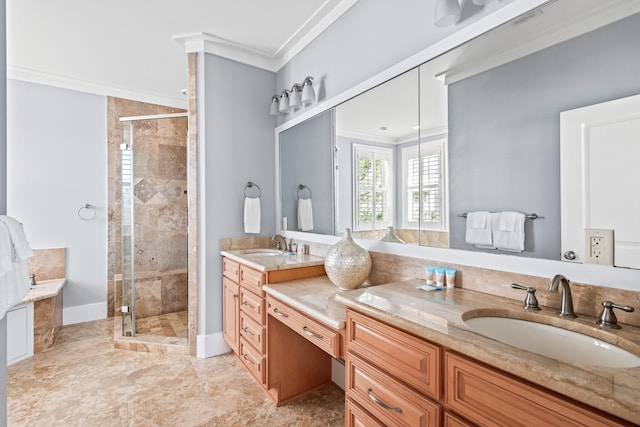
(306, 33)
(33, 76)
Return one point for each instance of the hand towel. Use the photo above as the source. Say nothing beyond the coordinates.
(252, 215)
(505, 239)
(18, 238)
(7, 253)
(478, 230)
(305, 215)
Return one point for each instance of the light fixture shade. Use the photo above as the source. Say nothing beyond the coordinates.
(284, 102)
(447, 13)
(275, 103)
(308, 94)
(295, 98)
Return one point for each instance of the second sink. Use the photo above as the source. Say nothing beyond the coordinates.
(554, 342)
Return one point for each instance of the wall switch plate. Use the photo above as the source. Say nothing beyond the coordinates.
(598, 246)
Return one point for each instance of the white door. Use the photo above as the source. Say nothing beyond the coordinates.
(600, 176)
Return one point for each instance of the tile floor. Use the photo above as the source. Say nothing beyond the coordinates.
(83, 381)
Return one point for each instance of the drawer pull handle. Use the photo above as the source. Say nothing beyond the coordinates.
(275, 310)
(246, 304)
(380, 402)
(235, 296)
(247, 331)
(244, 356)
(311, 334)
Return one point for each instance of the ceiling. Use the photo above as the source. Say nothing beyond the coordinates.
(129, 48)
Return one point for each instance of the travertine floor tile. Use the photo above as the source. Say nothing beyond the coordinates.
(83, 381)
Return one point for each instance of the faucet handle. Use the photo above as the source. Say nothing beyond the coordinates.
(530, 301)
(608, 318)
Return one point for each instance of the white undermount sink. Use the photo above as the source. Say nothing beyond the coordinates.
(262, 252)
(554, 342)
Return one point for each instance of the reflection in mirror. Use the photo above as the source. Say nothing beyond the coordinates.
(373, 130)
(499, 128)
(306, 178)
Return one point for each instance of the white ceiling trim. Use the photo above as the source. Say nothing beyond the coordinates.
(33, 76)
(308, 31)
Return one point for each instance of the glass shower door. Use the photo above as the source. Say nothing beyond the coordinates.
(126, 156)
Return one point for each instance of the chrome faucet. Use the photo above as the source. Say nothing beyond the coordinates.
(566, 307)
(281, 242)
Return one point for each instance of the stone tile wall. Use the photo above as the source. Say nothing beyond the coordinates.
(160, 207)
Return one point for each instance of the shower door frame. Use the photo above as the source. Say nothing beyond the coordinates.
(128, 280)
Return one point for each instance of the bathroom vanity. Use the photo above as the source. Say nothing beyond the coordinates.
(411, 358)
(287, 352)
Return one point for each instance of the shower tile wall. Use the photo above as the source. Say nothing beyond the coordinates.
(160, 209)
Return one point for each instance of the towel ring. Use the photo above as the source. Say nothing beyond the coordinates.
(251, 185)
(87, 212)
(301, 188)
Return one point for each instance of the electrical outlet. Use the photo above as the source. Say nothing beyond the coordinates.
(598, 246)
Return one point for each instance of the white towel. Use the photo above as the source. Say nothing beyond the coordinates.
(479, 229)
(252, 215)
(14, 279)
(18, 238)
(305, 215)
(508, 232)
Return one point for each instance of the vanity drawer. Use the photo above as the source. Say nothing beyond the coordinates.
(387, 399)
(253, 360)
(231, 269)
(252, 279)
(252, 305)
(452, 420)
(404, 356)
(488, 397)
(355, 416)
(252, 332)
(326, 338)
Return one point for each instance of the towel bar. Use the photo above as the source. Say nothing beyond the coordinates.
(301, 188)
(250, 185)
(529, 216)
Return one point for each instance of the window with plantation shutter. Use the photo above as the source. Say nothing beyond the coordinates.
(373, 178)
(424, 164)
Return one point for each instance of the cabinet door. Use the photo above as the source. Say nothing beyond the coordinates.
(355, 416)
(387, 399)
(231, 310)
(404, 356)
(488, 397)
(19, 333)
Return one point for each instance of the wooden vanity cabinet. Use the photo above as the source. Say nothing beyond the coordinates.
(395, 378)
(391, 375)
(244, 311)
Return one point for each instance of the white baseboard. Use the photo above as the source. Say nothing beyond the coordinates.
(84, 313)
(211, 345)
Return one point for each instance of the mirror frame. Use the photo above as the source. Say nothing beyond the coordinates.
(604, 276)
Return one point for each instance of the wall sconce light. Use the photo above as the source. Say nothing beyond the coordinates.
(300, 95)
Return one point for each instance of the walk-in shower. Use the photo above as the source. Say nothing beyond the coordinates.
(153, 202)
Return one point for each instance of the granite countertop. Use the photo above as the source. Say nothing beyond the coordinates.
(439, 317)
(315, 296)
(267, 261)
(44, 289)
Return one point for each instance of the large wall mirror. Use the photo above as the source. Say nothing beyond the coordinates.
(478, 129)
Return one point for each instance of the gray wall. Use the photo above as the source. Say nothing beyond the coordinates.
(3, 204)
(57, 162)
(239, 147)
(306, 157)
(504, 127)
(369, 38)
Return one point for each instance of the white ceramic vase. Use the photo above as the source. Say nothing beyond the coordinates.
(347, 263)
